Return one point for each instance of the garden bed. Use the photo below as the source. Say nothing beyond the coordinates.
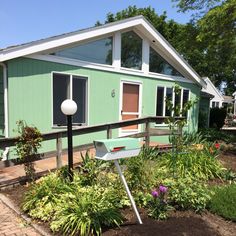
(178, 223)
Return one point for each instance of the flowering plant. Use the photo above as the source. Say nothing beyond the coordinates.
(158, 205)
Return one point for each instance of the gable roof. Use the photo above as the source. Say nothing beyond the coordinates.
(210, 88)
(138, 23)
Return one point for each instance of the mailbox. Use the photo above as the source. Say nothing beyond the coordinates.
(112, 149)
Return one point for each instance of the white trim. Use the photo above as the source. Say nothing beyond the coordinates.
(139, 113)
(164, 102)
(109, 68)
(138, 23)
(68, 39)
(117, 50)
(145, 56)
(6, 108)
(207, 80)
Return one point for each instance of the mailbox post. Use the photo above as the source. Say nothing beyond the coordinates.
(114, 149)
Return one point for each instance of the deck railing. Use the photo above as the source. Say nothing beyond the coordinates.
(108, 127)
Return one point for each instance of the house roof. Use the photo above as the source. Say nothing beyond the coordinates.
(211, 88)
(206, 95)
(228, 99)
(139, 23)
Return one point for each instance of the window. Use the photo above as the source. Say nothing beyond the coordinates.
(65, 87)
(131, 50)
(99, 51)
(160, 101)
(184, 102)
(215, 104)
(157, 64)
(166, 97)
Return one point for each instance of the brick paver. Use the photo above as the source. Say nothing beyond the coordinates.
(11, 224)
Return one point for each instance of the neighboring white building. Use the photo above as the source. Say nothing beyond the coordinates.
(234, 95)
(218, 99)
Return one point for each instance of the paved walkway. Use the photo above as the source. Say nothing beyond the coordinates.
(11, 224)
(14, 174)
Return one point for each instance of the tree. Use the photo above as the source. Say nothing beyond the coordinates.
(167, 28)
(217, 28)
(190, 5)
(216, 39)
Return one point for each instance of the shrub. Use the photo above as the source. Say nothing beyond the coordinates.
(41, 198)
(223, 202)
(90, 169)
(217, 117)
(188, 193)
(140, 173)
(27, 146)
(211, 135)
(202, 164)
(85, 212)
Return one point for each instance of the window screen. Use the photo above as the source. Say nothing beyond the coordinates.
(169, 96)
(160, 101)
(185, 100)
(79, 96)
(61, 91)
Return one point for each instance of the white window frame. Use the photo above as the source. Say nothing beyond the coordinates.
(84, 77)
(173, 101)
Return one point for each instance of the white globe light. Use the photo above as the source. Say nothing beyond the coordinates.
(69, 107)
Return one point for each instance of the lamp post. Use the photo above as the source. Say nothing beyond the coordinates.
(69, 108)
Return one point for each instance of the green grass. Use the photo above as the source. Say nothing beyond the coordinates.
(223, 202)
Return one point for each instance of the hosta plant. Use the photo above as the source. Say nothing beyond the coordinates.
(41, 198)
(85, 212)
(188, 193)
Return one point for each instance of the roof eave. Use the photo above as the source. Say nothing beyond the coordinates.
(67, 39)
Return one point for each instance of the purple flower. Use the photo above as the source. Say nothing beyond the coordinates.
(163, 189)
(155, 193)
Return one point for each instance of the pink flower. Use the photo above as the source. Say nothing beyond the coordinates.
(155, 193)
(163, 189)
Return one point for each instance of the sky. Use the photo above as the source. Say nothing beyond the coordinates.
(24, 21)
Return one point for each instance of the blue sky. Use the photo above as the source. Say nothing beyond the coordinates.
(27, 20)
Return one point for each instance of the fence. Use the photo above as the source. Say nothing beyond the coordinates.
(57, 136)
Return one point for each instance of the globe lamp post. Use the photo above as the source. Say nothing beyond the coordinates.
(69, 108)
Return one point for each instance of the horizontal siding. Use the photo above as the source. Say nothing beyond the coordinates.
(1, 103)
(30, 95)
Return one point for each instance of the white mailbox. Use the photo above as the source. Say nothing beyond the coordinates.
(112, 149)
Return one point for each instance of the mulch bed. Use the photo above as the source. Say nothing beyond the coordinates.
(185, 223)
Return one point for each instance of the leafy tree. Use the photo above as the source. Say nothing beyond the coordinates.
(186, 5)
(215, 39)
(217, 28)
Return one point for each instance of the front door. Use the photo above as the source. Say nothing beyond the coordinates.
(130, 106)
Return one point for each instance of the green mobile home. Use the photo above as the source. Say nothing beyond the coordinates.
(117, 71)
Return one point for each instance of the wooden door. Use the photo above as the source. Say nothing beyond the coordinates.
(130, 104)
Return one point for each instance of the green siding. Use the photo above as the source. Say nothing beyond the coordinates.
(30, 96)
(204, 113)
(1, 103)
